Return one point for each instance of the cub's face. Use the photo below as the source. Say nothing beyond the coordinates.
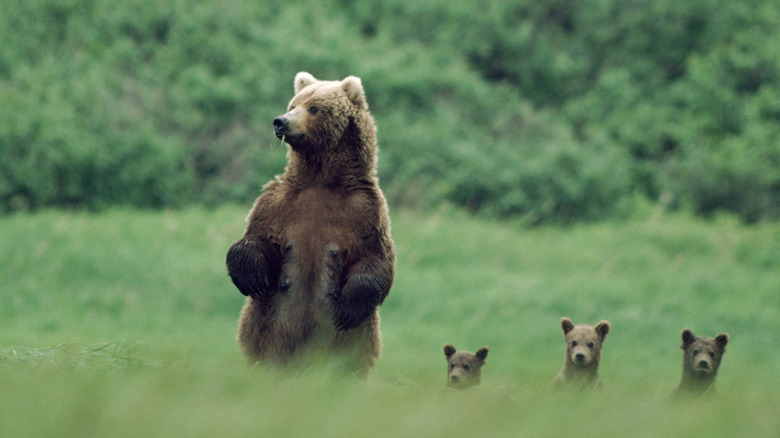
(319, 113)
(464, 368)
(703, 355)
(583, 342)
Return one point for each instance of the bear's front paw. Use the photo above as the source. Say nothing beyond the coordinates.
(361, 295)
(349, 313)
(346, 317)
(248, 268)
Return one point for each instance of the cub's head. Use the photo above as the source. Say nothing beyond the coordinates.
(702, 355)
(320, 113)
(464, 368)
(583, 342)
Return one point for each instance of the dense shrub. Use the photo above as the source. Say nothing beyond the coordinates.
(551, 110)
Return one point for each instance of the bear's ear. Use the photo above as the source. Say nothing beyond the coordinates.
(566, 325)
(303, 79)
(449, 350)
(602, 328)
(354, 90)
(722, 339)
(482, 353)
(687, 337)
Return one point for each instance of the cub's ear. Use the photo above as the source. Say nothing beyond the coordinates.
(722, 339)
(602, 328)
(566, 325)
(482, 353)
(302, 79)
(687, 337)
(449, 350)
(354, 90)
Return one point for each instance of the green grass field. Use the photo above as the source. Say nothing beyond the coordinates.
(122, 323)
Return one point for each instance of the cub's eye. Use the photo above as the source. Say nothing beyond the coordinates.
(573, 343)
(466, 367)
(695, 352)
(452, 365)
(590, 344)
(712, 354)
(313, 110)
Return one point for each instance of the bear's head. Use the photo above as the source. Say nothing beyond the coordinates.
(701, 356)
(583, 342)
(321, 113)
(464, 368)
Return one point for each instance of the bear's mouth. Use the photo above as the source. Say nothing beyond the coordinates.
(287, 136)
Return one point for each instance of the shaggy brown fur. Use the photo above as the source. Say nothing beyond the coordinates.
(316, 260)
(701, 360)
(464, 368)
(583, 353)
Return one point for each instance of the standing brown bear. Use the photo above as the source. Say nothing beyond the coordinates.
(701, 360)
(316, 260)
(583, 353)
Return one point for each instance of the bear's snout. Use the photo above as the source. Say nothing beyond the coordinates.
(580, 357)
(703, 364)
(281, 126)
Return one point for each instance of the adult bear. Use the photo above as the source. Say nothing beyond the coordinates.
(316, 260)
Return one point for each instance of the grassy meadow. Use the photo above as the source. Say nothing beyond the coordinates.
(122, 323)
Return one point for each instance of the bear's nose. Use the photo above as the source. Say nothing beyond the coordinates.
(280, 123)
(454, 379)
(703, 364)
(579, 357)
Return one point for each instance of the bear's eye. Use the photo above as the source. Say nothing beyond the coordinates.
(695, 352)
(590, 344)
(452, 365)
(313, 110)
(573, 343)
(466, 367)
(712, 354)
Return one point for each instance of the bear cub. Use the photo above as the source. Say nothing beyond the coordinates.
(464, 368)
(583, 352)
(701, 360)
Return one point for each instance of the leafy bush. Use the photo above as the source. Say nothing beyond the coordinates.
(553, 110)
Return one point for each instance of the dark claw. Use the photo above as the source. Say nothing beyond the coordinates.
(347, 319)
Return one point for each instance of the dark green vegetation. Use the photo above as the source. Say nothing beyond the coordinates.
(551, 111)
(122, 323)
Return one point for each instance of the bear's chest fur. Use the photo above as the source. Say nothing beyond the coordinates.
(315, 222)
(319, 231)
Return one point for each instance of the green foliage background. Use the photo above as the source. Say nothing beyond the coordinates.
(551, 111)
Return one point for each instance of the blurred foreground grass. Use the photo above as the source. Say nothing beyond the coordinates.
(122, 323)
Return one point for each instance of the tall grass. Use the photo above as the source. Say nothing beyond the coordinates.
(122, 323)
